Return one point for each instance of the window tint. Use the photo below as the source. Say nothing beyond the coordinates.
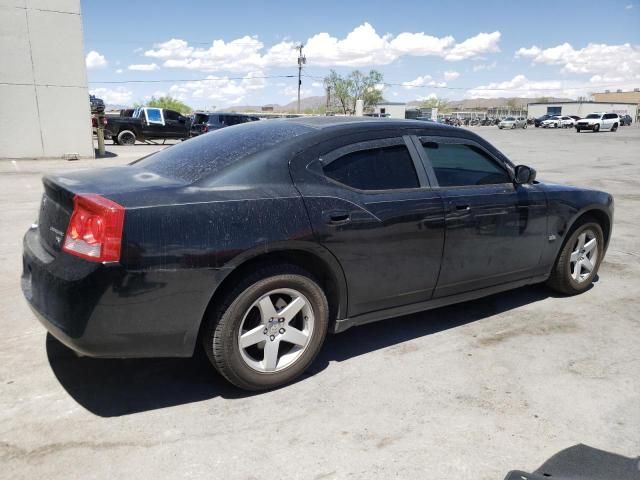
(458, 165)
(384, 168)
(209, 154)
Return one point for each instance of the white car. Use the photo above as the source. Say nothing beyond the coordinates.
(559, 121)
(599, 121)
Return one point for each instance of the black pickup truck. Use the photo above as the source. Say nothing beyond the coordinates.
(147, 123)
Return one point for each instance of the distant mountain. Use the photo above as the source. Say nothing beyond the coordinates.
(307, 103)
(317, 102)
(484, 103)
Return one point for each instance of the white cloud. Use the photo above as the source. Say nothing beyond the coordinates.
(475, 46)
(224, 90)
(95, 60)
(612, 61)
(363, 46)
(451, 75)
(317, 84)
(241, 54)
(484, 66)
(521, 86)
(117, 96)
(423, 81)
(119, 70)
(144, 67)
(629, 7)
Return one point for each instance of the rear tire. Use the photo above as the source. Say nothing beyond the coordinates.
(245, 329)
(126, 137)
(578, 130)
(578, 261)
(615, 127)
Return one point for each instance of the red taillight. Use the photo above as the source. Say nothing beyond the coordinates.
(95, 228)
(205, 128)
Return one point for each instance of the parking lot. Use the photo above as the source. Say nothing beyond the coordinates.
(467, 391)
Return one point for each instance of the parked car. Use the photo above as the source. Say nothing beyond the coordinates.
(538, 121)
(256, 240)
(575, 117)
(96, 104)
(625, 120)
(512, 122)
(558, 121)
(599, 121)
(147, 123)
(204, 122)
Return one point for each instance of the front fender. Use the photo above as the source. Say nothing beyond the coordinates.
(567, 205)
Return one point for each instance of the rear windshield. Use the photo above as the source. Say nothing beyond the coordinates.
(210, 153)
(593, 115)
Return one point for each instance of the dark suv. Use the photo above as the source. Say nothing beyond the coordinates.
(625, 120)
(204, 122)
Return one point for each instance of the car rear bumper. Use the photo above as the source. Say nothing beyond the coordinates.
(105, 311)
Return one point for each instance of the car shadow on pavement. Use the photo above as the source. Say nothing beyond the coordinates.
(113, 387)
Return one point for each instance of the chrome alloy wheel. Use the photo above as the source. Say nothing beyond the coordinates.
(276, 330)
(584, 256)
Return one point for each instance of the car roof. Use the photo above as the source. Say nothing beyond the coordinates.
(347, 123)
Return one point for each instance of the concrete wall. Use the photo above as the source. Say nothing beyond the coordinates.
(582, 109)
(624, 97)
(44, 99)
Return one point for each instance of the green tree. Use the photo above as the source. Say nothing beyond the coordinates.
(169, 103)
(339, 89)
(346, 91)
(440, 103)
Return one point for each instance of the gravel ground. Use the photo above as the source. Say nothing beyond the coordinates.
(468, 391)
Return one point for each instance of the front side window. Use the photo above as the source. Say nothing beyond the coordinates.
(171, 115)
(383, 168)
(457, 165)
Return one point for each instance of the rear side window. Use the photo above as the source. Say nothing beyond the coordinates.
(154, 115)
(171, 115)
(209, 154)
(384, 168)
(457, 165)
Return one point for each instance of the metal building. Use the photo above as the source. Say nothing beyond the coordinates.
(44, 99)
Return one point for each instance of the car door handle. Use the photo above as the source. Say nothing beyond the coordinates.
(337, 217)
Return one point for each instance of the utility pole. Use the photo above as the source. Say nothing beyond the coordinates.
(301, 61)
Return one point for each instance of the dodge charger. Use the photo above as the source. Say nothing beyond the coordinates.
(255, 241)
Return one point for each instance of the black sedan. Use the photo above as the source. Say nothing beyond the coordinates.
(256, 240)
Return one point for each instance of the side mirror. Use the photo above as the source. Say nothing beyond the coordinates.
(524, 174)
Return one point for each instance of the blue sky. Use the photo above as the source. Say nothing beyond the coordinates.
(220, 54)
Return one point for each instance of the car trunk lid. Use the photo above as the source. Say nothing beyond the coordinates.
(117, 183)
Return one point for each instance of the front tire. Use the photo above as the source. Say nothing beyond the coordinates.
(615, 127)
(596, 128)
(578, 130)
(579, 260)
(268, 329)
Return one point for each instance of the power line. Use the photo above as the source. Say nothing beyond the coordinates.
(217, 79)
